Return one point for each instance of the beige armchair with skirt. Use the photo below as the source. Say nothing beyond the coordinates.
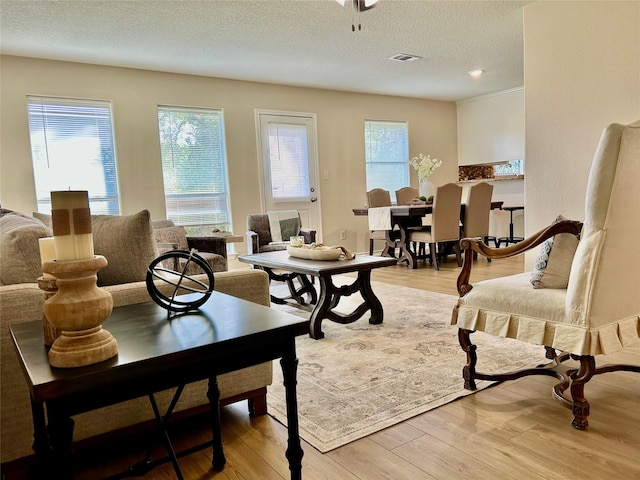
(583, 298)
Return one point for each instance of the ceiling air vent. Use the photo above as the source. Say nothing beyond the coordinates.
(405, 57)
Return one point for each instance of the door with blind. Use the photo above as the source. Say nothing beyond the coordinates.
(288, 154)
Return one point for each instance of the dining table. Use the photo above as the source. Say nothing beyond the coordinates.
(403, 217)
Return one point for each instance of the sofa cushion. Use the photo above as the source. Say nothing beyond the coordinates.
(19, 248)
(127, 243)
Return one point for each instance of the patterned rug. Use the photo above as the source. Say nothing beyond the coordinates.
(362, 378)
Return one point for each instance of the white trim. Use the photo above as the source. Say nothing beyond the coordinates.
(489, 95)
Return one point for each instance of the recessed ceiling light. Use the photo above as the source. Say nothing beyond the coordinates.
(476, 73)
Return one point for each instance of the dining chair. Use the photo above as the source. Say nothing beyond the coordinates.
(378, 197)
(445, 223)
(476, 213)
(405, 195)
(582, 298)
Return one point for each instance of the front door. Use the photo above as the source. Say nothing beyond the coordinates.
(289, 164)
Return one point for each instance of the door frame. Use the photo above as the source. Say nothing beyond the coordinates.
(313, 146)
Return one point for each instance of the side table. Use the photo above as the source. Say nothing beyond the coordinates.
(228, 237)
(153, 355)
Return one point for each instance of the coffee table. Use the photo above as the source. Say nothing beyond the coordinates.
(156, 353)
(330, 294)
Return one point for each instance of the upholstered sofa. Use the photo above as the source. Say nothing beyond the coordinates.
(128, 244)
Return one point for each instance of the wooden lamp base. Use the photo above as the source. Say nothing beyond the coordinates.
(86, 347)
(78, 309)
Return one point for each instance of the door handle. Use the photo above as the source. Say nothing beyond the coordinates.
(314, 199)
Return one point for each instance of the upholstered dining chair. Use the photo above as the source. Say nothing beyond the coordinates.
(476, 212)
(378, 197)
(445, 223)
(587, 300)
(405, 195)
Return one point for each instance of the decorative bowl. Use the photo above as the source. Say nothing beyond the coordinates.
(327, 253)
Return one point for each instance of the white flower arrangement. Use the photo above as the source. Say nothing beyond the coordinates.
(424, 165)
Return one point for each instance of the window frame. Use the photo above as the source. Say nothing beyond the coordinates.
(43, 152)
(399, 168)
(211, 197)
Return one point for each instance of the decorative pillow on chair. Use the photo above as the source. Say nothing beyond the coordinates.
(553, 265)
(284, 224)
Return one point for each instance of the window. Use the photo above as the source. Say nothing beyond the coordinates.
(194, 167)
(72, 147)
(288, 161)
(386, 155)
(509, 169)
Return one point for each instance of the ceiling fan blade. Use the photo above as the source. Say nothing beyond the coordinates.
(364, 5)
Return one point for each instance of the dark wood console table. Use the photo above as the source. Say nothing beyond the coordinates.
(154, 354)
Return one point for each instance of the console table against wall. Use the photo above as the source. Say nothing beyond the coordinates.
(156, 353)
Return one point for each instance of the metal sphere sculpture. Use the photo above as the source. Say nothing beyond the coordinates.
(177, 277)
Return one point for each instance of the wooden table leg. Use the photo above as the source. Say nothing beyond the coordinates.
(60, 429)
(296, 294)
(40, 439)
(377, 314)
(289, 364)
(213, 393)
(330, 297)
(405, 249)
(321, 309)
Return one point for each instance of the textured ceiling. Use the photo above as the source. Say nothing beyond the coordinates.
(295, 42)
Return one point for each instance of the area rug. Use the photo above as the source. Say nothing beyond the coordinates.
(362, 378)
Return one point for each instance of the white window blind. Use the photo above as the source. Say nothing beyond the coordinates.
(194, 168)
(386, 155)
(72, 147)
(289, 162)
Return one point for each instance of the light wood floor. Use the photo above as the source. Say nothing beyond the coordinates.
(510, 431)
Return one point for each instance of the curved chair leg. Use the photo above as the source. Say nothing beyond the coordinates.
(469, 370)
(579, 378)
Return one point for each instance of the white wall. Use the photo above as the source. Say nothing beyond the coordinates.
(582, 72)
(491, 128)
(136, 94)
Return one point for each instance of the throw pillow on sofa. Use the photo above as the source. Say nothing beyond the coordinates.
(19, 248)
(43, 217)
(127, 242)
